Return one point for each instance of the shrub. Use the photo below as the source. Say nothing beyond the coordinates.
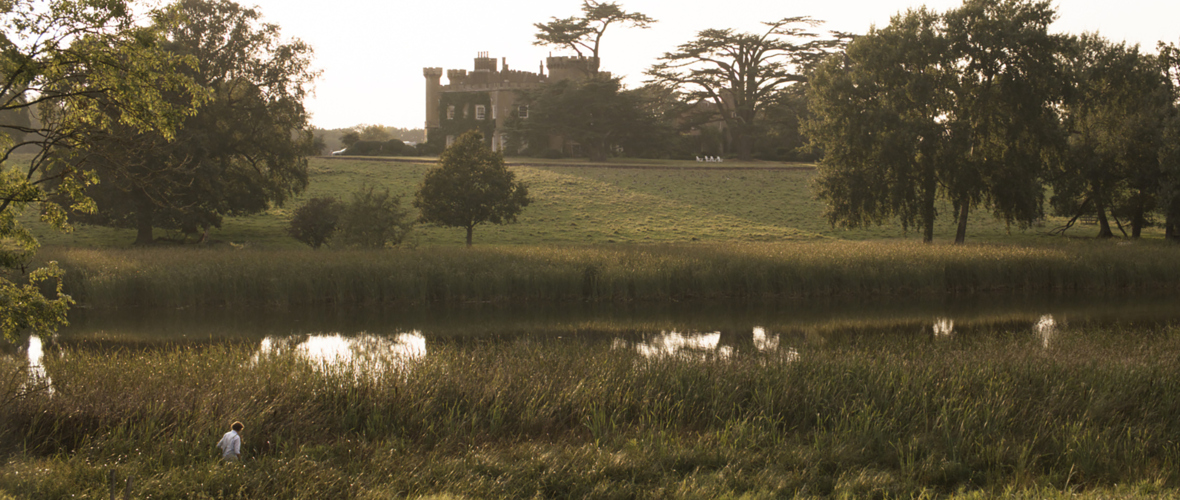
(316, 221)
(374, 220)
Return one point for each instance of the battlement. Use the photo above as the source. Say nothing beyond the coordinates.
(432, 72)
(569, 61)
(489, 75)
(571, 67)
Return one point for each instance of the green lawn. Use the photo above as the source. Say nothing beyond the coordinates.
(577, 203)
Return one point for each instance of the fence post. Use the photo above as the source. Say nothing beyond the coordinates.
(111, 480)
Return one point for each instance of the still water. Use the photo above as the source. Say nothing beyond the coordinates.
(348, 339)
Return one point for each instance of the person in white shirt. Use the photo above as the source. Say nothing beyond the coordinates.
(231, 442)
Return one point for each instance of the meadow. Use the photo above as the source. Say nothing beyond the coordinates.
(998, 414)
(576, 204)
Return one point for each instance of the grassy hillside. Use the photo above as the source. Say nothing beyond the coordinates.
(577, 203)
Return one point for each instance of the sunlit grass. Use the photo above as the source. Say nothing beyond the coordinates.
(579, 204)
(997, 414)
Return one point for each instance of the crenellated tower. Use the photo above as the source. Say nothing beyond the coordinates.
(433, 91)
(486, 96)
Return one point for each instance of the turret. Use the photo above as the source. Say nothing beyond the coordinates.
(433, 91)
(571, 68)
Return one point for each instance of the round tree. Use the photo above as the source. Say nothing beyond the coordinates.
(470, 186)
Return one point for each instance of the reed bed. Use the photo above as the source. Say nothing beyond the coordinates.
(178, 277)
(870, 417)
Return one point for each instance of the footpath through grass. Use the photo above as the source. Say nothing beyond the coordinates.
(1004, 414)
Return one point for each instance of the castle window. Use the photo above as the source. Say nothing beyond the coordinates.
(450, 140)
(480, 111)
(522, 111)
(493, 112)
(450, 112)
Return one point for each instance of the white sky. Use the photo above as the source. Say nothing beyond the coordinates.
(372, 52)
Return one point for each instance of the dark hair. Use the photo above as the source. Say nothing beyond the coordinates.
(237, 426)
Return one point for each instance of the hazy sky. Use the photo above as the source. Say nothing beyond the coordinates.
(372, 52)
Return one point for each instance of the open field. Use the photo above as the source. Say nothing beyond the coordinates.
(578, 204)
(1002, 414)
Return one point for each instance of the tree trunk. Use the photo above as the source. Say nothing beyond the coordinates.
(928, 191)
(143, 225)
(1137, 223)
(1103, 224)
(745, 146)
(469, 231)
(961, 231)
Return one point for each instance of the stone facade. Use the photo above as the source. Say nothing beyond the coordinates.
(483, 98)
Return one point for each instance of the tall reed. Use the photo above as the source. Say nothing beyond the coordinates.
(857, 417)
(172, 277)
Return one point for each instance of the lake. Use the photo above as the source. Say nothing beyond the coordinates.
(338, 338)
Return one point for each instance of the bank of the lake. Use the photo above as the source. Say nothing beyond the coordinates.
(186, 277)
(1003, 414)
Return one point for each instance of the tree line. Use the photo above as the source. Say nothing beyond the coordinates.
(725, 92)
(405, 140)
(979, 106)
(983, 107)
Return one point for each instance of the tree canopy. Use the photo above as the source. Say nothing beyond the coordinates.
(64, 65)
(470, 186)
(583, 34)
(240, 153)
(962, 106)
(1116, 119)
(1170, 145)
(740, 73)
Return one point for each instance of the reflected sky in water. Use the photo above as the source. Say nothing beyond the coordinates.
(681, 344)
(943, 327)
(1045, 328)
(37, 377)
(701, 344)
(355, 354)
(377, 340)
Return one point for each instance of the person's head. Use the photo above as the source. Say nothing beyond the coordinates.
(237, 426)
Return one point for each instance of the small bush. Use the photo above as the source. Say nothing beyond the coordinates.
(374, 220)
(316, 221)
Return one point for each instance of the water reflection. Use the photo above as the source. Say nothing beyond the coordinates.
(669, 344)
(715, 330)
(944, 327)
(764, 342)
(1046, 329)
(357, 354)
(37, 378)
(704, 345)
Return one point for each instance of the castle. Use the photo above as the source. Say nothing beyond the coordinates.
(483, 98)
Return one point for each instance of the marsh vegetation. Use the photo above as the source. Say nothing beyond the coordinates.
(994, 411)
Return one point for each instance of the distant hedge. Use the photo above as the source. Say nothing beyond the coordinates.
(392, 147)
